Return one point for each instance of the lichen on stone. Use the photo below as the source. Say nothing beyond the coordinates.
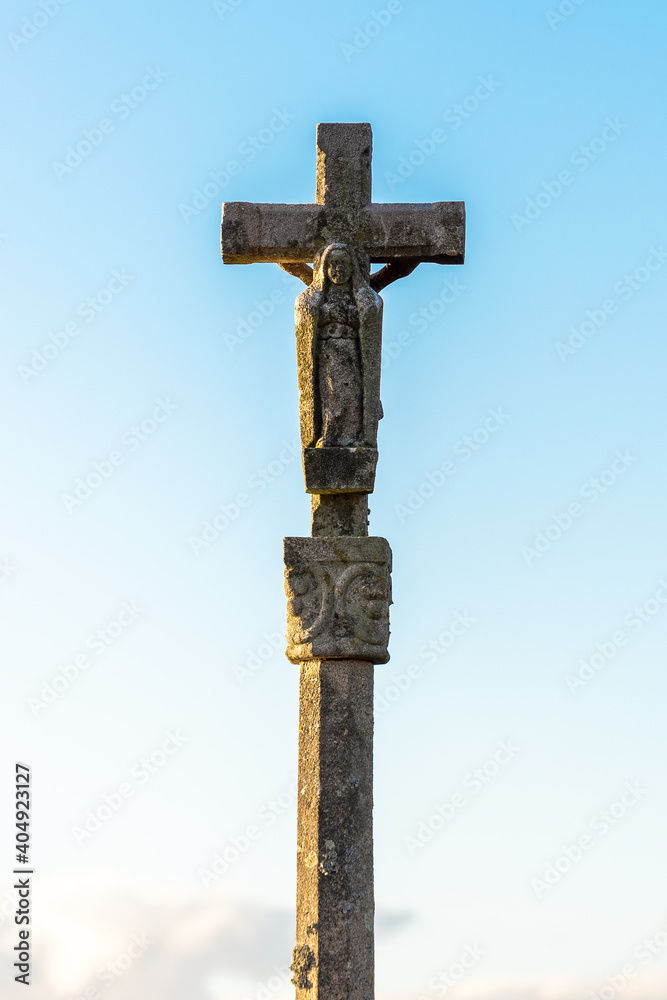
(303, 960)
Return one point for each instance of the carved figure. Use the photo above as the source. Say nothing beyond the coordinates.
(339, 343)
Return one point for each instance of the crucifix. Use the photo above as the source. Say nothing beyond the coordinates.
(338, 580)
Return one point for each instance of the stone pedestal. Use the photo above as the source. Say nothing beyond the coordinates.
(334, 954)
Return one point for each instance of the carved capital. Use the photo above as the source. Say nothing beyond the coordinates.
(338, 596)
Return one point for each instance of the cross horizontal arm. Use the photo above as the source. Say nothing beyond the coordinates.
(430, 233)
(257, 233)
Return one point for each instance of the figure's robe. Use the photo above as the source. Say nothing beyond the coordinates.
(307, 311)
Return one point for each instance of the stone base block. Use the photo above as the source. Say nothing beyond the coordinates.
(340, 470)
(338, 596)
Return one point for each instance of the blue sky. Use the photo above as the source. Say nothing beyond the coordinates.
(546, 350)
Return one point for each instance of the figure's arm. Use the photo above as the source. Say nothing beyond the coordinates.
(302, 271)
(392, 272)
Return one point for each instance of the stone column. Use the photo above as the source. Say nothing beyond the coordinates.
(334, 956)
(338, 588)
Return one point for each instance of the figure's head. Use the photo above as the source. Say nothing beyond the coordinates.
(339, 265)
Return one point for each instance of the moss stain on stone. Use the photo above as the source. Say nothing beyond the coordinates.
(303, 960)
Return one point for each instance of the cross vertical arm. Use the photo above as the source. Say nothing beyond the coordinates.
(344, 155)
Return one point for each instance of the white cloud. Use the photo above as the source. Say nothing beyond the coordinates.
(93, 932)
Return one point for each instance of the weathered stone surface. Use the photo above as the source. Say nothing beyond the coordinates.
(391, 272)
(343, 213)
(334, 955)
(339, 349)
(339, 316)
(338, 595)
(336, 514)
(340, 470)
(271, 233)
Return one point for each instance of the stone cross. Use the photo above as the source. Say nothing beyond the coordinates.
(338, 580)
